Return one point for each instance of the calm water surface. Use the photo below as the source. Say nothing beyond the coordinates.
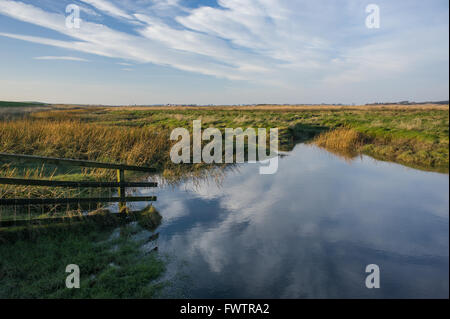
(308, 231)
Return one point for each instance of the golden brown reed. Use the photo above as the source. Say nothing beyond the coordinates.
(88, 141)
(342, 138)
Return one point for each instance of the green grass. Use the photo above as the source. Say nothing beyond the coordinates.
(110, 268)
(414, 136)
(19, 104)
(433, 125)
(30, 171)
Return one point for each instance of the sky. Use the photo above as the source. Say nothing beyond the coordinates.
(223, 51)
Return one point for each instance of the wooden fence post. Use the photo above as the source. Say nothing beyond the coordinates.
(121, 190)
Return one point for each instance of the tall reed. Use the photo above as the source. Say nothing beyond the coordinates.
(89, 141)
(340, 139)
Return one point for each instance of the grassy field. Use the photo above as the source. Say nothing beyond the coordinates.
(416, 136)
(19, 104)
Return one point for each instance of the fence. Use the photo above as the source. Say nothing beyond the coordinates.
(121, 184)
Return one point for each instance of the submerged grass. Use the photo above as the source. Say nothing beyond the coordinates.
(110, 266)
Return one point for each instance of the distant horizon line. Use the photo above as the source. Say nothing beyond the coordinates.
(405, 102)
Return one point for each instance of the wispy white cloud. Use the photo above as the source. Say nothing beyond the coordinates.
(89, 11)
(102, 40)
(108, 8)
(64, 58)
(191, 50)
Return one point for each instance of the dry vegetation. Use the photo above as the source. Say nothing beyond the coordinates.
(90, 141)
(345, 139)
(348, 143)
(63, 138)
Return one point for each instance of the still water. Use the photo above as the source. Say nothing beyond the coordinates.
(308, 231)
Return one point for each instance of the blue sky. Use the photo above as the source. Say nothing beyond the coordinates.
(224, 51)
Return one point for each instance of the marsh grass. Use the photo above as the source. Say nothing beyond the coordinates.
(22, 212)
(77, 140)
(41, 172)
(416, 135)
(111, 267)
(348, 143)
(142, 146)
(80, 140)
(149, 218)
(343, 138)
(343, 142)
(18, 104)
